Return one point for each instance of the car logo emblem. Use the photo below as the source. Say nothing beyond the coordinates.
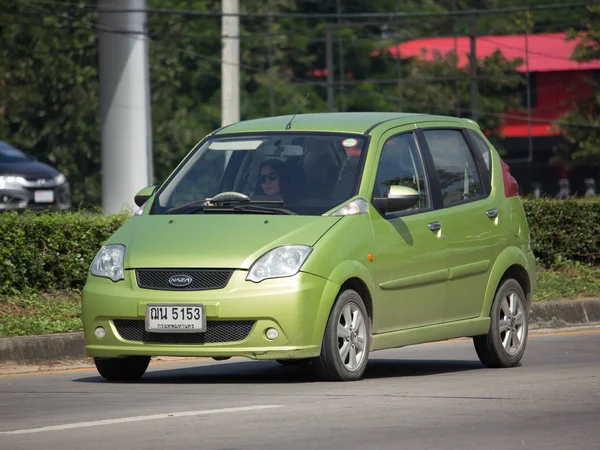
(41, 182)
(180, 281)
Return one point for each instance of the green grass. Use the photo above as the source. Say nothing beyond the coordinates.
(568, 281)
(60, 312)
(40, 314)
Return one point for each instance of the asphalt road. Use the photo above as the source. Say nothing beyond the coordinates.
(433, 396)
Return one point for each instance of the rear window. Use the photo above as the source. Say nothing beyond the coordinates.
(482, 147)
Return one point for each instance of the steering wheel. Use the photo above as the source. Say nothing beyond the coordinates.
(225, 197)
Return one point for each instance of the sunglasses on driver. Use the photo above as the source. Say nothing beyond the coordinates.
(271, 176)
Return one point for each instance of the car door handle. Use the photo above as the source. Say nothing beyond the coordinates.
(492, 213)
(435, 226)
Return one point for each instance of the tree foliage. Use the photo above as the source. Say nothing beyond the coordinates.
(580, 127)
(49, 90)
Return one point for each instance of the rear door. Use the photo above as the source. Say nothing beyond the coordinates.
(470, 218)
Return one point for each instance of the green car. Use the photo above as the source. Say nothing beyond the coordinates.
(317, 239)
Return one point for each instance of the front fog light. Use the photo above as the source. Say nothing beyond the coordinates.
(272, 333)
(100, 332)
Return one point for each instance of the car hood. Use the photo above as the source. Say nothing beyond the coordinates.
(29, 169)
(232, 241)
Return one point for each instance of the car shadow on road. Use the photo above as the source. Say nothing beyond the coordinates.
(269, 372)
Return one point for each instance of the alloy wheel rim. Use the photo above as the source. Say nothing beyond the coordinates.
(512, 326)
(352, 337)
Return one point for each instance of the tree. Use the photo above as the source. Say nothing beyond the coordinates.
(580, 127)
(49, 92)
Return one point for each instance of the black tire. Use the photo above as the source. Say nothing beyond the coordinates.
(329, 365)
(491, 348)
(122, 369)
(295, 362)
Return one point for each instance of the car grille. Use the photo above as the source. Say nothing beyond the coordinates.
(216, 332)
(202, 279)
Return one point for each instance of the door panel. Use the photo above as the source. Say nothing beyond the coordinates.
(470, 225)
(472, 247)
(411, 272)
(410, 262)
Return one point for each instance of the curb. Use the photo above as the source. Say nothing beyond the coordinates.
(23, 350)
(565, 313)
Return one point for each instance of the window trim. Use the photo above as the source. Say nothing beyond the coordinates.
(478, 163)
(487, 174)
(426, 177)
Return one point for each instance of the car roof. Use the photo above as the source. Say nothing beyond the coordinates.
(346, 122)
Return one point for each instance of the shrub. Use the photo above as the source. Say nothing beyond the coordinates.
(564, 230)
(44, 252)
(50, 251)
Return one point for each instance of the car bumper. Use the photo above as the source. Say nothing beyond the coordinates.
(25, 198)
(297, 307)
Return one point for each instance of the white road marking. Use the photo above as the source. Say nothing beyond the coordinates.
(139, 419)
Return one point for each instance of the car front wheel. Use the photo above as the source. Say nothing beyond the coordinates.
(122, 369)
(505, 342)
(345, 347)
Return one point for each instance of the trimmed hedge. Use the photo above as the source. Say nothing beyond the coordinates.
(564, 230)
(53, 251)
(50, 251)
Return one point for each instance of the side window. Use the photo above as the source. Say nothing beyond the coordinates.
(455, 166)
(400, 165)
(482, 148)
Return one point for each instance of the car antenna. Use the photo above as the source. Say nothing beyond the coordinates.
(289, 125)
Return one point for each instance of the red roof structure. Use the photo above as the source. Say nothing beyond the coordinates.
(559, 81)
(548, 52)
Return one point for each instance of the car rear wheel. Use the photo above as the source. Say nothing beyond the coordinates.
(506, 340)
(122, 369)
(345, 347)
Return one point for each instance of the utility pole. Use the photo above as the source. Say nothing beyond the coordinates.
(341, 54)
(124, 103)
(270, 58)
(398, 62)
(456, 83)
(230, 62)
(330, 68)
(529, 136)
(473, 59)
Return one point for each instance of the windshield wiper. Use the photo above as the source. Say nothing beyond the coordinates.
(194, 207)
(210, 206)
(248, 208)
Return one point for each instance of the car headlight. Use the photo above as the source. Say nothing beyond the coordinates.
(283, 261)
(109, 262)
(14, 181)
(60, 179)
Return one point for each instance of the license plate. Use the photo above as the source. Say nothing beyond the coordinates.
(43, 196)
(175, 318)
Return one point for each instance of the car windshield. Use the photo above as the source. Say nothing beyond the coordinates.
(9, 153)
(292, 173)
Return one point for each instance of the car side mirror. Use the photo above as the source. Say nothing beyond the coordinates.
(144, 194)
(399, 198)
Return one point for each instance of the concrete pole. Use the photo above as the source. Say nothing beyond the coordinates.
(473, 58)
(341, 56)
(230, 63)
(329, 64)
(124, 103)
